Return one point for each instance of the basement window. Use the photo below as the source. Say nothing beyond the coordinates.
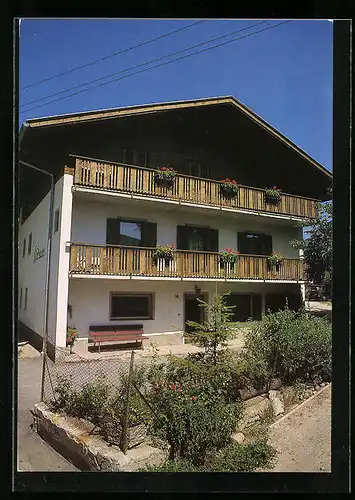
(24, 248)
(29, 244)
(56, 220)
(131, 306)
(26, 296)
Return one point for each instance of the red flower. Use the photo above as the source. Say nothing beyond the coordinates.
(172, 387)
(193, 398)
(274, 187)
(234, 182)
(172, 245)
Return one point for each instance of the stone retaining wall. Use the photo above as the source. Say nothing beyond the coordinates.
(70, 437)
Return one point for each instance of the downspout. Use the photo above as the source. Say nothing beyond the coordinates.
(49, 253)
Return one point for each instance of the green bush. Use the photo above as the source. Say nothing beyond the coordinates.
(233, 458)
(243, 457)
(291, 345)
(194, 410)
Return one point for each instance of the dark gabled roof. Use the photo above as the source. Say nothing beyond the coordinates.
(105, 114)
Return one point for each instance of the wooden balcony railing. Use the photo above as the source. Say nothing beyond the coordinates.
(139, 180)
(133, 261)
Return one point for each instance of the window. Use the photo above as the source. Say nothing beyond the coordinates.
(131, 233)
(254, 243)
(196, 238)
(24, 248)
(133, 157)
(56, 220)
(29, 244)
(20, 298)
(198, 169)
(131, 306)
(26, 296)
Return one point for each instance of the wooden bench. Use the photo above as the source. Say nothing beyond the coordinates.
(111, 333)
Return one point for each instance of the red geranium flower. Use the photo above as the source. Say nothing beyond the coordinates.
(172, 387)
(193, 398)
(274, 187)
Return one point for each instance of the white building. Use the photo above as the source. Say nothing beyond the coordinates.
(109, 215)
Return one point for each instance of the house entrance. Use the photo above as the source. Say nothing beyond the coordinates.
(193, 311)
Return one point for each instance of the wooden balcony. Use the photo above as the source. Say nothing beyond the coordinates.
(140, 181)
(132, 261)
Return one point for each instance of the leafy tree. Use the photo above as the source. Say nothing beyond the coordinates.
(215, 331)
(317, 248)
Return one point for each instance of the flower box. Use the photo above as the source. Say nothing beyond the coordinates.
(272, 196)
(228, 188)
(165, 177)
(274, 261)
(228, 259)
(163, 255)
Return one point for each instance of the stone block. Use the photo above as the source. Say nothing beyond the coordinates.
(252, 410)
(71, 438)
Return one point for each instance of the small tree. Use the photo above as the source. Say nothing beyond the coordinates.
(317, 248)
(215, 331)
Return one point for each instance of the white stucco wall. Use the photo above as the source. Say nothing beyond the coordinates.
(33, 274)
(65, 221)
(90, 300)
(89, 223)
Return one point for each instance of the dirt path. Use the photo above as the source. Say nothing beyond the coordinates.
(303, 439)
(33, 454)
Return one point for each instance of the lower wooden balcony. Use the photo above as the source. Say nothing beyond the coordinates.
(105, 260)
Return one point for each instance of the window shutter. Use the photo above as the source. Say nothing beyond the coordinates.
(149, 234)
(267, 244)
(213, 240)
(181, 237)
(242, 243)
(113, 232)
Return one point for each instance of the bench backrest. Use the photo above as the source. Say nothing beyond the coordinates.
(115, 328)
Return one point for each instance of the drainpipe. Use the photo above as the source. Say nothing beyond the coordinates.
(49, 251)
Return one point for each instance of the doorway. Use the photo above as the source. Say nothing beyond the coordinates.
(193, 311)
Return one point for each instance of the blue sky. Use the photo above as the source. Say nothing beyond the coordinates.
(283, 74)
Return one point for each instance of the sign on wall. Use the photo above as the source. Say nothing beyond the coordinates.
(38, 253)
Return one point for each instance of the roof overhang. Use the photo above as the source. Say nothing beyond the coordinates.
(107, 114)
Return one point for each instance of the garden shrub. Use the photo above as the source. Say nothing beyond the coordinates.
(243, 457)
(233, 458)
(291, 345)
(192, 418)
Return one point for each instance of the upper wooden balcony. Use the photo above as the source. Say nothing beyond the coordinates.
(95, 260)
(140, 181)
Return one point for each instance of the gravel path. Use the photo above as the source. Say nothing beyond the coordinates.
(33, 454)
(303, 439)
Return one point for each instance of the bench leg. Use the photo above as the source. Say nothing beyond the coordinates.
(99, 347)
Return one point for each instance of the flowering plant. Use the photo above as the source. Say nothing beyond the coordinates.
(72, 335)
(164, 252)
(273, 195)
(228, 256)
(228, 188)
(165, 176)
(275, 259)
